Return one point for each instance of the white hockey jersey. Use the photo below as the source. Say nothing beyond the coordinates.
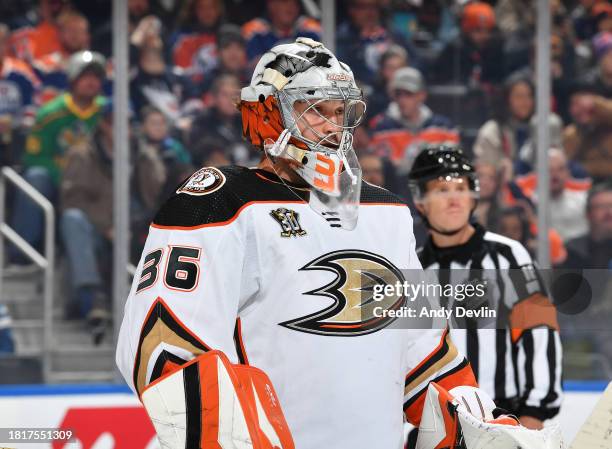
(238, 262)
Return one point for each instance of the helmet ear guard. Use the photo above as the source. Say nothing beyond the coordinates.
(262, 121)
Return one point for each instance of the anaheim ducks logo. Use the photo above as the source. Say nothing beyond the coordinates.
(206, 180)
(352, 312)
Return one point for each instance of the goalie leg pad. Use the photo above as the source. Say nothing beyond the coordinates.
(211, 404)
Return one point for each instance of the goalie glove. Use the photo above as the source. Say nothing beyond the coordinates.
(210, 403)
(463, 418)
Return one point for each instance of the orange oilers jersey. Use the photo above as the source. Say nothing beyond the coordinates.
(238, 262)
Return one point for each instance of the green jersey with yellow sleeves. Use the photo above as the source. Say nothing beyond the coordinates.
(60, 124)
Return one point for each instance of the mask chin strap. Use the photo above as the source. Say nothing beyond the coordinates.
(345, 143)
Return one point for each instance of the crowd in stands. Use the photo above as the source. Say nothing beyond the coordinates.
(436, 71)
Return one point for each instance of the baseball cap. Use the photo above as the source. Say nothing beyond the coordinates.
(81, 61)
(409, 79)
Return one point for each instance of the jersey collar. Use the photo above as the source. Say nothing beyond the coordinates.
(83, 114)
(459, 253)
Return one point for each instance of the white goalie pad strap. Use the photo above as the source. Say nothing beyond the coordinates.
(453, 418)
(165, 404)
(210, 403)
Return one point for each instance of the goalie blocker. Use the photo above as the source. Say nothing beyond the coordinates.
(211, 403)
(466, 418)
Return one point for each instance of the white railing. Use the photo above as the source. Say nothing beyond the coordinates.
(46, 262)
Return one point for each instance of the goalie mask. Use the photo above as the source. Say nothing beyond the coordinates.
(302, 105)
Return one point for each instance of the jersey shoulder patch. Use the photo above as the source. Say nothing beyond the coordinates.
(215, 196)
(203, 182)
(207, 197)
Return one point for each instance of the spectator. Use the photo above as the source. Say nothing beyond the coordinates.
(148, 34)
(564, 187)
(363, 39)
(31, 43)
(566, 205)
(154, 84)
(585, 22)
(528, 152)
(222, 123)
(284, 23)
(168, 160)
(161, 164)
(17, 101)
(516, 18)
(594, 249)
(565, 64)
(514, 224)
(143, 26)
(499, 139)
(600, 77)
(64, 122)
(476, 57)
(602, 12)
(194, 45)
(588, 140)
(231, 48)
(211, 153)
(519, 223)
(7, 344)
(490, 203)
(73, 29)
(86, 225)
(408, 123)
(391, 60)
(372, 169)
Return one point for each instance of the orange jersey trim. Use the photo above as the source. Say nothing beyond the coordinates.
(244, 206)
(226, 222)
(464, 376)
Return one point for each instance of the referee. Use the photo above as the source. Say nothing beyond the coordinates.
(517, 358)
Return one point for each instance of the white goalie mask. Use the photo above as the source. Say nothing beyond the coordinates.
(303, 105)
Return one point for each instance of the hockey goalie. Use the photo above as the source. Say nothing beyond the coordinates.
(249, 323)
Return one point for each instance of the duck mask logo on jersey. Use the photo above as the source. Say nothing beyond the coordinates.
(352, 291)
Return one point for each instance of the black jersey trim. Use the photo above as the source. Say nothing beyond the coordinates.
(160, 364)
(193, 405)
(242, 187)
(371, 194)
(160, 315)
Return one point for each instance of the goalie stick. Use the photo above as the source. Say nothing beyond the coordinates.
(596, 432)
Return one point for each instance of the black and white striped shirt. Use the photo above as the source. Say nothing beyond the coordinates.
(520, 369)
